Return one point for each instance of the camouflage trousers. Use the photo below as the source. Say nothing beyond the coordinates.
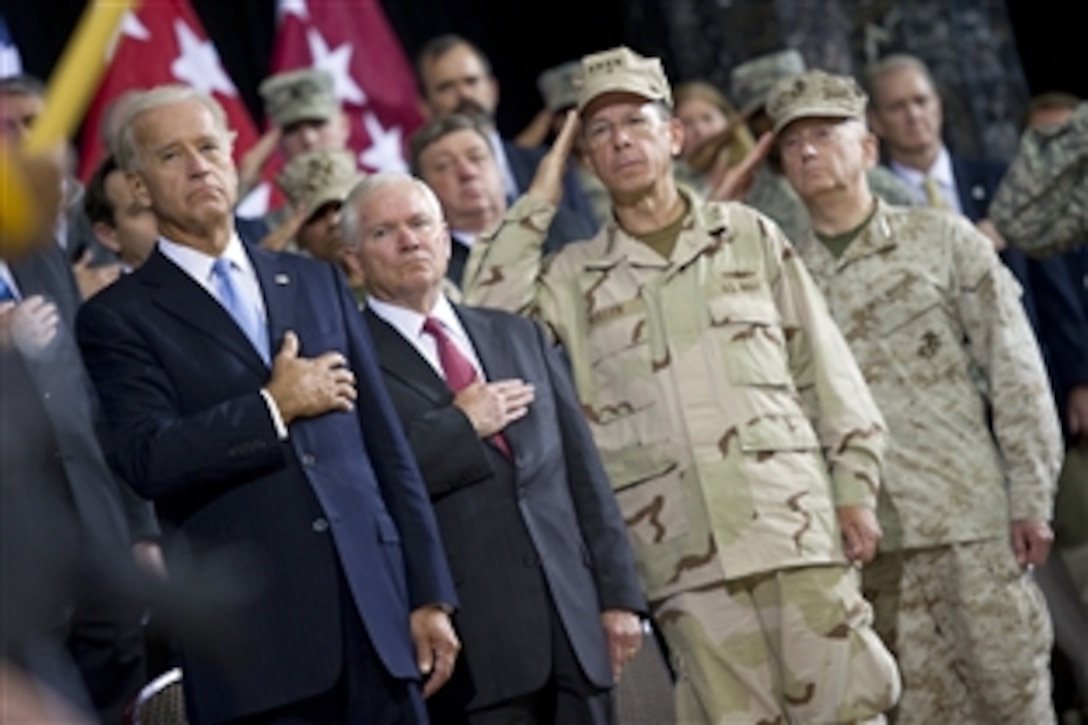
(970, 630)
(793, 646)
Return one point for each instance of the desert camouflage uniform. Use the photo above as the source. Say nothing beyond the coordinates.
(732, 421)
(1041, 206)
(935, 323)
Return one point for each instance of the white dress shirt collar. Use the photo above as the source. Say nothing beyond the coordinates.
(509, 183)
(941, 172)
(409, 324)
(198, 265)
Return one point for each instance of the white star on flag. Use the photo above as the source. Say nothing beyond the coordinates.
(384, 152)
(293, 7)
(133, 28)
(338, 64)
(198, 65)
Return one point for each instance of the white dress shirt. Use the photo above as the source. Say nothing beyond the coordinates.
(940, 172)
(198, 266)
(409, 324)
(509, 183)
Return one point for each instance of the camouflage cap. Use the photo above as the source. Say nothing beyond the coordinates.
(752, 80)
(315, 178)
(557, 86)
(815, 94)
(621, 70)
(299, 95)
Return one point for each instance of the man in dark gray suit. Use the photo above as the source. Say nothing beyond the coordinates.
(536, 543)
(49, 448)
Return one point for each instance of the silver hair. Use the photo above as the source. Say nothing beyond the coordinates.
(349, 214)
(128, 149)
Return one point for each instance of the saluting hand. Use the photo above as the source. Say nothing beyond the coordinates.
(547, 183)
(308, 387)
(732, 183)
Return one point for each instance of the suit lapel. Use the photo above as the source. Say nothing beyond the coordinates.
(400, 360)
(181, 297)
(972, 194)
(279, 288)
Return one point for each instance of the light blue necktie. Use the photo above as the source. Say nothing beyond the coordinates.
(241, 309)
(7, 294)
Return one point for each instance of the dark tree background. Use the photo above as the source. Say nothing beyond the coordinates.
(988, 55)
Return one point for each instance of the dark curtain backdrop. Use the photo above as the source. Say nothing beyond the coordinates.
(988, 55)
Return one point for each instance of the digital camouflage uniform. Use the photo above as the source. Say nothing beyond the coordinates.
(936, 325)
(732, 420)
(1041, 206)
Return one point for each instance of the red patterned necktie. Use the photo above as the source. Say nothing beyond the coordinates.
(459, 372)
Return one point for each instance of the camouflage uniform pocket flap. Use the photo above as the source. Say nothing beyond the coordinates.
(637, 464)
(902, 301)
(778, 433)
(742, 309)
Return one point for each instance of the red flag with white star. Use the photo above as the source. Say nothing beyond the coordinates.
(163, 42)
(352, 40)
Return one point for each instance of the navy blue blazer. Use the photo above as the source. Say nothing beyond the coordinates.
(339, 500)
(1051, 298)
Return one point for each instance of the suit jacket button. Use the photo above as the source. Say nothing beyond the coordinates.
(308, 459)
(320, 525)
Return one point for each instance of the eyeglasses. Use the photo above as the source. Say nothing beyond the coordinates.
(640, 123)
(819, 137)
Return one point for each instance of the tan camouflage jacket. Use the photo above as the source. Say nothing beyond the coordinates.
(1041, 205)
(935, 322)
(717, 387)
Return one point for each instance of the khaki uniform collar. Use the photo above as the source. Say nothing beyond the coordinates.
(701, 229)
(875, 238)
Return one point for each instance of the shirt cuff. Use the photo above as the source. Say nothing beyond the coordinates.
(274, 412)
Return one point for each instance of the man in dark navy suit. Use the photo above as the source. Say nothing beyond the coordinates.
(243, 396)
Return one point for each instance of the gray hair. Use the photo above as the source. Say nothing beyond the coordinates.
(438, 128)
(892, 64)
(128, 150)
(349, 213)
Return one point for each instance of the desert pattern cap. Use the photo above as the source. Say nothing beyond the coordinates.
(557, 86)
(315, 178)
(621, 70)
(299, 95)
(815, 94)
(752, 80)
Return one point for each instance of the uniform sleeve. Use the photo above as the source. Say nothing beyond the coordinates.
(505, 268)
(1041, 205)
(836, 397)
(1003, 348)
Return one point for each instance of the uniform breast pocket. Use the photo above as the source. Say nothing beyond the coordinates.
(914, 324)
(620, 364)
(752, 342)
